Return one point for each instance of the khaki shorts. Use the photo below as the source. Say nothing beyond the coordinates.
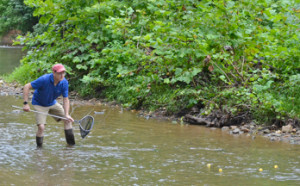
(56, 109)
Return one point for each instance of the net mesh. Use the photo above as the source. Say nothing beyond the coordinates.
(86, 125)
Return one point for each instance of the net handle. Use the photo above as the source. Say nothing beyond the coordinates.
(59, 117)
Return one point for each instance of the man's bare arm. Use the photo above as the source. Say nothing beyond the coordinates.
(26, 90)
(66, 105)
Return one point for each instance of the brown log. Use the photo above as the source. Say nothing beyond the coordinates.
(197, 120)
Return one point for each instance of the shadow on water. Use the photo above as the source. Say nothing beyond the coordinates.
(128, 150)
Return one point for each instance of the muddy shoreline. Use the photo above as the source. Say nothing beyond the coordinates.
(288, 132)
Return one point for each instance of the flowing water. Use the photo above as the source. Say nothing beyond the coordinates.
(124, 149)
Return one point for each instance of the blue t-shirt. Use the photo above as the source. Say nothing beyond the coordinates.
(45, 93)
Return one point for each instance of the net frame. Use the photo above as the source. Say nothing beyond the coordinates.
(85, 125)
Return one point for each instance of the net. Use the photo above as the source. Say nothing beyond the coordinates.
(86, 125)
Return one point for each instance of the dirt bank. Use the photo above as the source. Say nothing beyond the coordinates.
(8, 38)
(242, 124)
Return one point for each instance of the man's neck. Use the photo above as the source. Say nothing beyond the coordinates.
(55, 82)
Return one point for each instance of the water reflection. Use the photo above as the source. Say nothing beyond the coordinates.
(10, 58)
(124, 149)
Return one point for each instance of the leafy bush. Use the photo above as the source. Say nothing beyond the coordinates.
(23, 74)
(175, 54)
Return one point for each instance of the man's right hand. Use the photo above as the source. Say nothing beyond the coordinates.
(26, 108)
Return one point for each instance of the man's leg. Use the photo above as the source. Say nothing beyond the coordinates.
(40, 135)
(58, 110)
(41, 122)
(69, 133)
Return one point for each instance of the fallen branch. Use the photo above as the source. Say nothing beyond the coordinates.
(197, 120)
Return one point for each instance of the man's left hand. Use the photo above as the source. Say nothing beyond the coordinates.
(70, 118)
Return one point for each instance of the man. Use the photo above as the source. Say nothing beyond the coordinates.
(47, 88)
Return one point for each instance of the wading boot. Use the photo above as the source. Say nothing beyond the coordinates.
(70, 137)
(39, 141)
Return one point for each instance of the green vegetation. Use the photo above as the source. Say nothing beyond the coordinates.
(15, 15)
(173, 54)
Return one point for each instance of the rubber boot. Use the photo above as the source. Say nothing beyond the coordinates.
(39, 141)
(70, 137)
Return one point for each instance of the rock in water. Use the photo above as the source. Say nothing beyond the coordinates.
(236, 131)
(288, 128)
(98, 112)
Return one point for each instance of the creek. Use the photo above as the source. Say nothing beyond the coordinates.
(125, 149)
(9, 58)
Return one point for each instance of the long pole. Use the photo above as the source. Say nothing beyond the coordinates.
(41, 113)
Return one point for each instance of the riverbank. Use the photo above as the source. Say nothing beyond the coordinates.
(9, 37)
(242, 124)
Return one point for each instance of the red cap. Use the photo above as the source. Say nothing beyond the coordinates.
(58, 68)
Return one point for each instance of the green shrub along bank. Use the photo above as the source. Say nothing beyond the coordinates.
(173, 55)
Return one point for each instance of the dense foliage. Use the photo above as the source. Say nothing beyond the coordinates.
(173, 54)
(14, 14)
